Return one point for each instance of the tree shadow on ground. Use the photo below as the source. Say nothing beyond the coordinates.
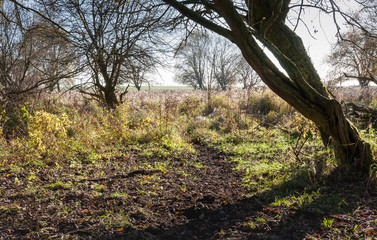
(319, 210)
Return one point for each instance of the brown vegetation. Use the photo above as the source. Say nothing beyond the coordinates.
(170, 165)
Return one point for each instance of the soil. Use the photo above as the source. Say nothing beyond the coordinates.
(193, 197)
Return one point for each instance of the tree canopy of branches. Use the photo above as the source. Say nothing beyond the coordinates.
(355, 58)
(137, 74)
(113, 40)
(193, 66)
(247, 76)
(32, 56)
(225, 59)
(245, 22)
(113, 37)
(205, 60)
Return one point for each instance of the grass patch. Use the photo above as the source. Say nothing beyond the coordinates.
(165, 161)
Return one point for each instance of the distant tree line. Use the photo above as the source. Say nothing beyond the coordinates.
(206, 61)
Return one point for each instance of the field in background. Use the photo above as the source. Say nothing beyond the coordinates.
(154, 88)
(219, 165)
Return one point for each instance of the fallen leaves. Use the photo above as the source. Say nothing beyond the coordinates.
(149, 203)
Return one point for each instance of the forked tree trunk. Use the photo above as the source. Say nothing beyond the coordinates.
(354, 153)
(111, 98)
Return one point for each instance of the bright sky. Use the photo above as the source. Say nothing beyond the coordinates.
(323, 30)
(321, 27)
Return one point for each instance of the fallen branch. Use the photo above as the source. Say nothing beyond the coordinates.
(127, 175)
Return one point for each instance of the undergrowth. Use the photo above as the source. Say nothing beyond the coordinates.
(278, 153)
(269, 140)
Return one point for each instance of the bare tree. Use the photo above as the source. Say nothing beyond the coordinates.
(244, 22)
(207, 60)
(137, 74)
(193, 66)
(111, 37)
(354, 57)
(225, 57)
(54, 58)
(32, 56)
(246, 75)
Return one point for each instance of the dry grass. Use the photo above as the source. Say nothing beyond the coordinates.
(70, 167)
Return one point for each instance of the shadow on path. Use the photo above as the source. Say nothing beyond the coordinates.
(333, 208)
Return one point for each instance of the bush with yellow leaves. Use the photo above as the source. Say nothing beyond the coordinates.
(48, 134)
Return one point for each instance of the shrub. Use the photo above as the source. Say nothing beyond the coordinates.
(190, 106)
(47, 134)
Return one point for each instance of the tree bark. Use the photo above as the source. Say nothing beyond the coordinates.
(111, 98)
(302, 88)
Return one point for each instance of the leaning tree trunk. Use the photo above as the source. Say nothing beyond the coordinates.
(302, 88)
(353, 152)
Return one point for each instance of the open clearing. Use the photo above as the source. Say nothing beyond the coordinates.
(219, 173)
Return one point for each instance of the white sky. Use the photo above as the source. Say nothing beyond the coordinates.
(320, 25)
(323, 29)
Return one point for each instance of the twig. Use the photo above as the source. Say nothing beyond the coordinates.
(128, 175)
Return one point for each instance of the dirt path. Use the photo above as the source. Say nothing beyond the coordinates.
(192, 197)
(196, 196)
(215, 206)
(208, 203)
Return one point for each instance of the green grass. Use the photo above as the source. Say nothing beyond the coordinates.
(298, 200)
(277, 152)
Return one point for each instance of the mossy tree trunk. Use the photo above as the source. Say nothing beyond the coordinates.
(301, 86)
